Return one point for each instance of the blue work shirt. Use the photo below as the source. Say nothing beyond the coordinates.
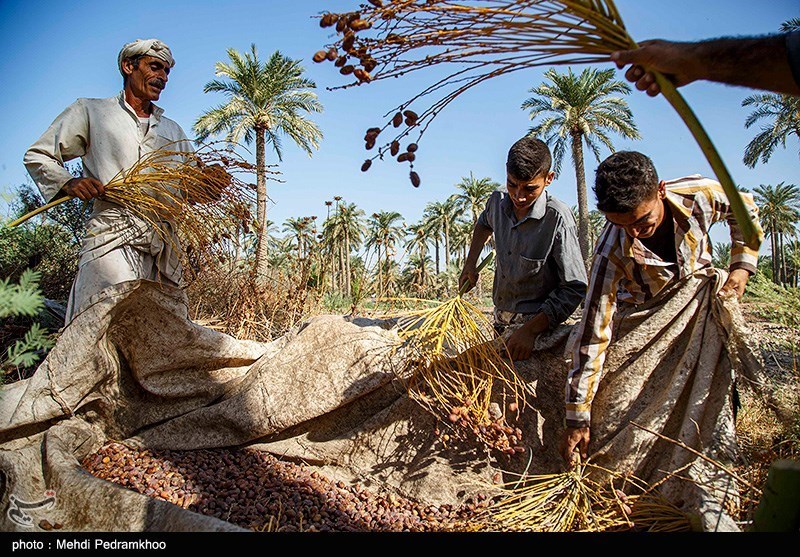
(539, 266)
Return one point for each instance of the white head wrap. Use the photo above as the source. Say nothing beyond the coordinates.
(146, 47)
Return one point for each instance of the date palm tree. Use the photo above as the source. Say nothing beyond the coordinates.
(416, 246)
(779, 212)
(474, 192)
(440, 218)
(417, 274)
(462, 237)
(580, 109)
(385, 229)
(344, 231)
(302, 232)
(265, 101)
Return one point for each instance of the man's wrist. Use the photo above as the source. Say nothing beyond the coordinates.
(577, 424)
(746, 267)
(532, 326)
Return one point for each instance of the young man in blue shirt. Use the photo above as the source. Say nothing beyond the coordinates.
(540, 276)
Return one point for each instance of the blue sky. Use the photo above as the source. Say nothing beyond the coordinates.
(55, 52)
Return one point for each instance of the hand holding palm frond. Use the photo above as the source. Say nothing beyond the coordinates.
(487, 38)
(200, 192)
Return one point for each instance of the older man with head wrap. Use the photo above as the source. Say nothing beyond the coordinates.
(110, 135)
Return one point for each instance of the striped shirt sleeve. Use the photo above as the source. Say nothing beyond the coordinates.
(742, 257)
(592, 339)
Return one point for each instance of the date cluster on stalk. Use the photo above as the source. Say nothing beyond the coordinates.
(348, 25)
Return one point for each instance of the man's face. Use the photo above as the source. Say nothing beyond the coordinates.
(643, 221)
(148, 78)
(523, 194)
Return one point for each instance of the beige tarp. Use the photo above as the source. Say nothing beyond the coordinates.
(134, 368)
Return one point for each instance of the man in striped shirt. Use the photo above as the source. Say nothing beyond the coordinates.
(657, 232)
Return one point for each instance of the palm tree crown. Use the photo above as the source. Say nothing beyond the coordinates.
(779, 212)
(782, 116)
(265, 101)
(474, 192)
(580, 109)
(384, 233)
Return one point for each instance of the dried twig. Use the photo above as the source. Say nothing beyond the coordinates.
(711, 461)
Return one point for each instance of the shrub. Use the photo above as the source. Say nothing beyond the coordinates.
(23, 299)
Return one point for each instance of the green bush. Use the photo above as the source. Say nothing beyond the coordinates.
(773, 302)
(18, 300)
(47, 244)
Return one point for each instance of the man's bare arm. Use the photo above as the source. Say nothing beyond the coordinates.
(756, 62)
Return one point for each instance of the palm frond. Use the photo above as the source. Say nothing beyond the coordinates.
(487, 39)
(200, 193)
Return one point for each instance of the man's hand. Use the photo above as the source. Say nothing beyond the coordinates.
(736, 283)
(674, 60)
(469, 276)
(84, 188)
(755, 62)
(575, 437)
(519, 345)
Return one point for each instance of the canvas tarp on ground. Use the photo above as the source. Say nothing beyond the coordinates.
(134, 368)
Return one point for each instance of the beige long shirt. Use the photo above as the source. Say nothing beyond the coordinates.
(106, 135)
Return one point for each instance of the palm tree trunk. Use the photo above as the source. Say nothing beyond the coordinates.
(385, 287)
(436, 245)
(423, 255)
(583, 204)
(347, 285)
(446, 246)
(262, 252)
(380, 278)
(341, 268)
(334, 274)
(795, 270)
(775, 256)
(783, 259)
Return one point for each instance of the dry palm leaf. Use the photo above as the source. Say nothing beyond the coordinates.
(200, 192)
(487, 38)
(572, 501)
(454, 366)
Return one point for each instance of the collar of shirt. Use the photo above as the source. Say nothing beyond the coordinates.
(155, 115)
(636, 250)
(536, 212)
